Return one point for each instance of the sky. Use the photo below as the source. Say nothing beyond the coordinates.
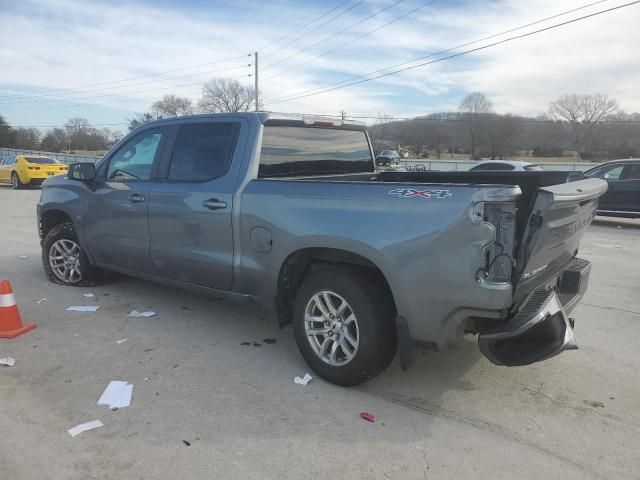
(108, 60)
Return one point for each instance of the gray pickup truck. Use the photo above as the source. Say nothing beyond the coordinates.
(291, 212)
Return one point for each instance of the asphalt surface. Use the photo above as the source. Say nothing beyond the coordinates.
(205, 406)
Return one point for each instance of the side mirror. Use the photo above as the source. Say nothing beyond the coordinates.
(85, 172)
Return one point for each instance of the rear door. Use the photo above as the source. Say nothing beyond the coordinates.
(610, 201)
(559, 217)
(116, 228)
(191, 204)
(627, 189)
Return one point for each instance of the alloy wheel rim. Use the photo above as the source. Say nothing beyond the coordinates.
(331, 328)
(14, 181)
(64, 259)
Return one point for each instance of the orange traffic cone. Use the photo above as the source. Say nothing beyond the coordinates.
(10, 323)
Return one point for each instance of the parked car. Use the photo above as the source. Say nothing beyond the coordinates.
(513, 165)
(291, 212)
(22, 170)
(623, 196)
(387, 157)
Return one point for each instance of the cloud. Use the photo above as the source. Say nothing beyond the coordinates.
(69, 43)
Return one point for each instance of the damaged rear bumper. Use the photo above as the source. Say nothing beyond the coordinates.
(541, 328)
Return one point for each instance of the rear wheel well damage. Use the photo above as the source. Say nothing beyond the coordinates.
(50, 219)
(300, 263)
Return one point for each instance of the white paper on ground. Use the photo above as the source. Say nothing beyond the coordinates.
(116, 395)
(121, 341)
(8, 362)
(88, 295)
(41, 300)
(136, 313)
(304, 380)
(83, 427)
(83, 308)
(23, 257)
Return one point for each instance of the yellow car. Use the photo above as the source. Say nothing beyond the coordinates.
(24, 170)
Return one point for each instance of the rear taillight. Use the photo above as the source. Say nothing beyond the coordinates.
(30, 168)
(498, 256)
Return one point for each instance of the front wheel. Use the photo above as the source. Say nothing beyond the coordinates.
(63, 259)
(16, 183)
(343, 324)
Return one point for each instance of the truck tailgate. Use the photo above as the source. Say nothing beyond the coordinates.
(557, 221)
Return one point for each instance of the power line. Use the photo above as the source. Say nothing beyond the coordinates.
(340, 32)
(121, 94)
(450, 49)
(62, 126)
(304, 26)
(59, 91)
(365, 34)
(517, 37)
(315, 28)
(17, 101)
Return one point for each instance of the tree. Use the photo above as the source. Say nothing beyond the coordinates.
(502, 133)
(27, 138)
(581, 115)
(172, 106)
(7, 134)
(78, 131)
(139, 119)
(475, 108)
(226, 95)
(55, 140)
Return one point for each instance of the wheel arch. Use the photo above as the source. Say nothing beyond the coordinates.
(51, 218)
(299, 263)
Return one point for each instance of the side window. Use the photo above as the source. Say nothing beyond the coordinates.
(631, 172)
(133, 161)
(9, 161)
(203, 151)
(610, 173)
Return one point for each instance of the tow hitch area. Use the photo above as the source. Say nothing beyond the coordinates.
(540, 330)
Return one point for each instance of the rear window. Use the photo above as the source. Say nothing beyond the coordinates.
(536, 168)
(41, 160)
(308, 151)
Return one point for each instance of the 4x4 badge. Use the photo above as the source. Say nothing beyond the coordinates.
(413, 193)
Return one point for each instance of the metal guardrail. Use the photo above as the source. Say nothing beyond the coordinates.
(61, 157)
(418, 164)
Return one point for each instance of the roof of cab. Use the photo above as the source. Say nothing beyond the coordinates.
(263, 117)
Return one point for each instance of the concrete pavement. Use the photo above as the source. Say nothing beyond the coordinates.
(454, 415)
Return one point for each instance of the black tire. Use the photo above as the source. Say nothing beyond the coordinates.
(373, 308)
(16, 183)
(90, 275)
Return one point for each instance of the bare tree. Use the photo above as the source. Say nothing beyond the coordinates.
(139, 119)
(502, 134)
(55, 140)
(78, 131)
(581, 115)
(383, 121)
(226, 95)
(172, 106)
(474, 109)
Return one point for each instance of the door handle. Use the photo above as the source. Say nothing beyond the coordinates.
(214, 204)
(135, 198)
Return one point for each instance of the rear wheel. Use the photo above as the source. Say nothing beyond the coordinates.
(16, 183)
(64, 261)
(343, 325)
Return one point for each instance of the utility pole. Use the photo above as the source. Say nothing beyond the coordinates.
(256, 79)
(343, 114)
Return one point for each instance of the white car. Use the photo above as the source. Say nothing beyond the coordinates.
(512, 165)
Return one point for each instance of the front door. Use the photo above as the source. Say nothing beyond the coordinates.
(191, 204)
(117, 230)
(5, 169)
